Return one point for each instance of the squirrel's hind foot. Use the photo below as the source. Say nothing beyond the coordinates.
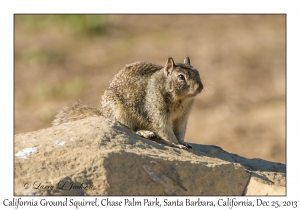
(147, 134)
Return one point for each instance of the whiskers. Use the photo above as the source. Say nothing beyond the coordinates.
(207, 89)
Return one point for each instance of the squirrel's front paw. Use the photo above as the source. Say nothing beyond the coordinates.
(185, 146)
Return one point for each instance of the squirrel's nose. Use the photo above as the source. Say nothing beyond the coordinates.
(200, 87)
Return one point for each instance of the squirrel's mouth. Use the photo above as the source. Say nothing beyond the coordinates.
(196, 92)
(193, 94)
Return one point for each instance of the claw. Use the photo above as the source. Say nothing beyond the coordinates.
(188, 145)
(180, 146)
(184, 145)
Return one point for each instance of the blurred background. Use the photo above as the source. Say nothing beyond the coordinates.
(241, 60)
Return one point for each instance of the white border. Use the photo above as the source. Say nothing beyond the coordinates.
(8, 8)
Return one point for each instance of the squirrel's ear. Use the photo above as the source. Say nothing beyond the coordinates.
(187, 60)
(169, 66)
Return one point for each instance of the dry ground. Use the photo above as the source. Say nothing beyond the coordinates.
(241, 60)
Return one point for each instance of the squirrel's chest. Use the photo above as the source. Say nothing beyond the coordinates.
(177, 110)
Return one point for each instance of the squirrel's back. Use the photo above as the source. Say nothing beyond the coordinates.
(133, 74)
(129, 86)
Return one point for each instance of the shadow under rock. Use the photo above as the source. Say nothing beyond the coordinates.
(255, 164)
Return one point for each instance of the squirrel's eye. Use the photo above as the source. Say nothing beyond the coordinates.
(180, 76)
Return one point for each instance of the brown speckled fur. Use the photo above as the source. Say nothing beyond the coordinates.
(76, 112)
(145, 96)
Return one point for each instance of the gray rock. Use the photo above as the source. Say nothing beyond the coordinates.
(103, 157)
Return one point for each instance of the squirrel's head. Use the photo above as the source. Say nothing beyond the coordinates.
(182, 79)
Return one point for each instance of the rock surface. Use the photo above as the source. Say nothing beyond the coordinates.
(97, 156)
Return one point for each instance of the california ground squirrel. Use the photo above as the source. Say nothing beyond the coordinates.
(152, 100)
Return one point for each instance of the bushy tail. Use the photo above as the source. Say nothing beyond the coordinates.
(76, 112)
